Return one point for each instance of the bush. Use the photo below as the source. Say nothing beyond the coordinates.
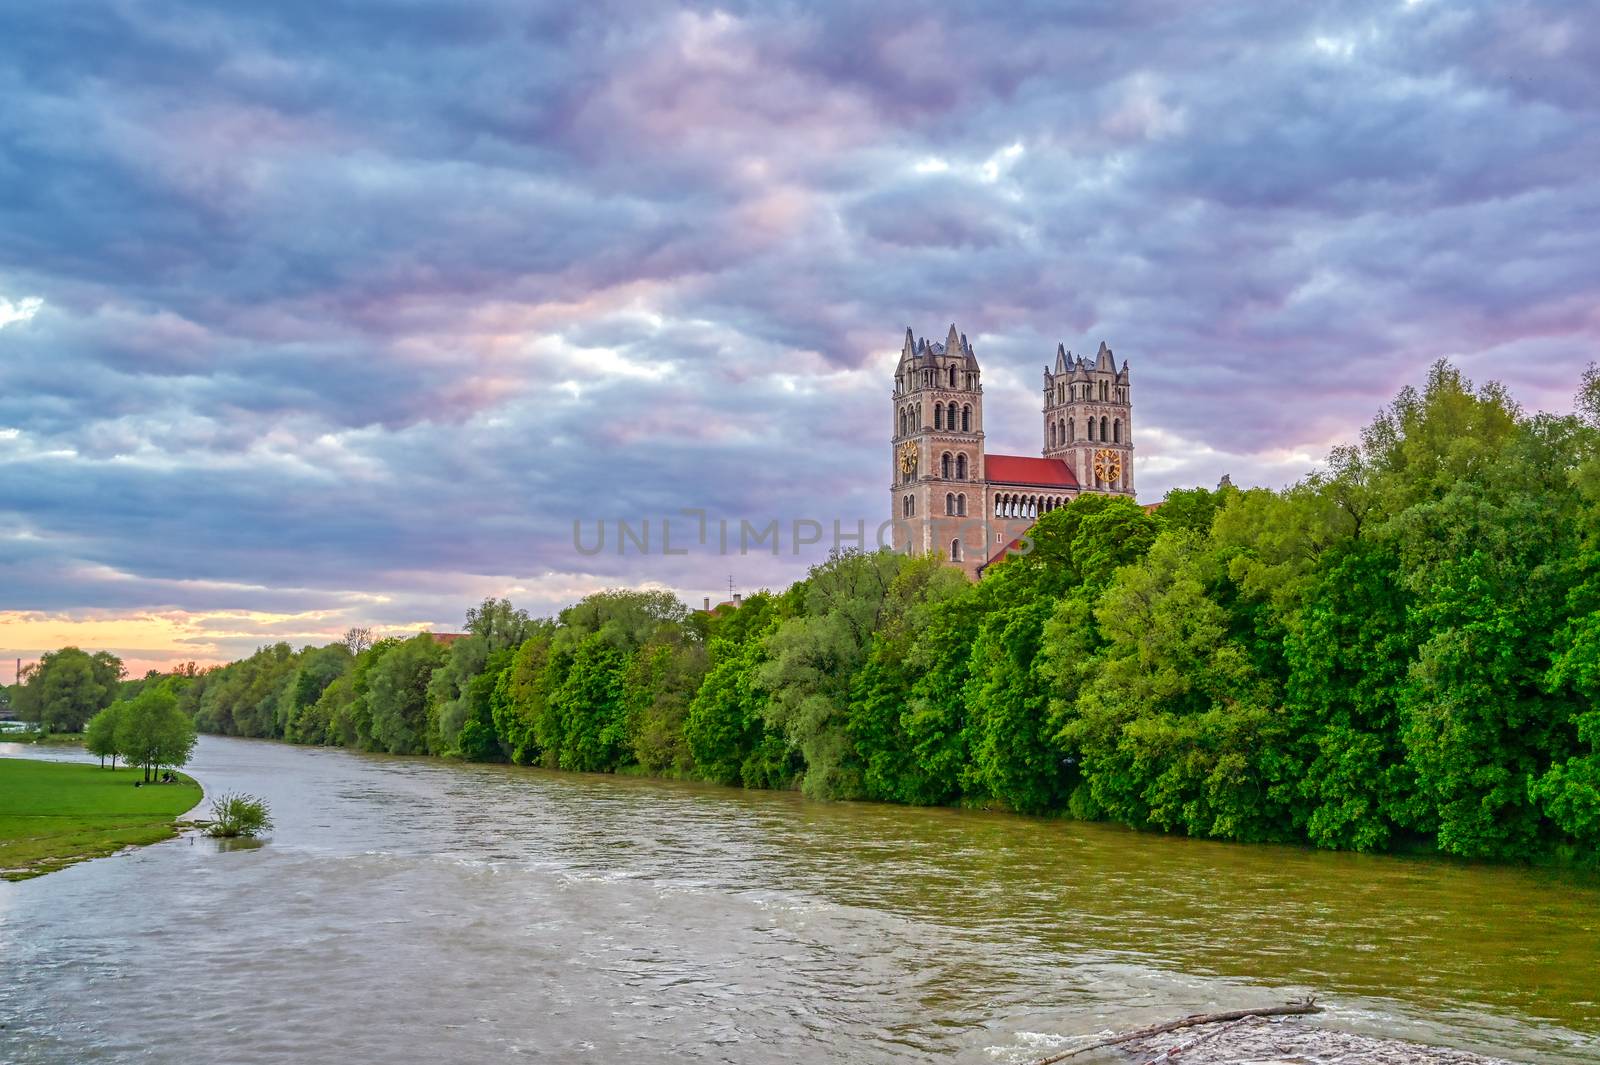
(239, 815)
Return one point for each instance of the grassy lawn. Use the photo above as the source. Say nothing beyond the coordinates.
(55, 813)
(44, 739)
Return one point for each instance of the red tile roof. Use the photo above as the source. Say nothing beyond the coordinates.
(1025, 470)
(1013, 546)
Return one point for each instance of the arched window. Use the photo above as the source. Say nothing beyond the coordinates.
(1104, 390)
(1116, 431)
(902, 421)
(1102, 428)
(949, 503)
(966, 419)
(950, 417)
(955, 550)
(961, 467)
(944, 466)
(961, 504)
(938, 416)
(1061, 394)
(1072, 429)
(1091, 428)
(952, 377)
(1052, 435)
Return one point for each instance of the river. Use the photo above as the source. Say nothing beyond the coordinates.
(416, 910)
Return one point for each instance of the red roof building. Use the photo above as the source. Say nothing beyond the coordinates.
(1025, 471)
(950, 497)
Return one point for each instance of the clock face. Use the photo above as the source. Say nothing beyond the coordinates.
(1107, 466)
(908, 459)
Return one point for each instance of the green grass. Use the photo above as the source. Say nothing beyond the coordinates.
(43, 739)
(53, 814)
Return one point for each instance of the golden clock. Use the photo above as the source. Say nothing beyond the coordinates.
(908, 459)
(1107, 466)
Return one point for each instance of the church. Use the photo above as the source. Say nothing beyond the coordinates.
(951, 497)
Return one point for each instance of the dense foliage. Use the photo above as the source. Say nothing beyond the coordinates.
(65, 688)
(1402, 650)
(148, 730)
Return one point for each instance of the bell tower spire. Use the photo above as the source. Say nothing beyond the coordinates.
(1088, 419)
(936, 443)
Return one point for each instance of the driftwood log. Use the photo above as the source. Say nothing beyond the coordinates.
(1171, 1053)
(1193, 1020)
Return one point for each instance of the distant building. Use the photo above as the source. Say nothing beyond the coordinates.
(732, 604)
(445, 639)
(949, 496)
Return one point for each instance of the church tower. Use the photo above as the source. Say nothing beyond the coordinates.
(937, 446)
(1088, 419)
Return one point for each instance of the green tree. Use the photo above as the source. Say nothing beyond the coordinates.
(100, 734)
(298, 720)
(725, 727)
(1567, 793)
(243, 698)
(479, 739)
(1346, 658)
(1483, 518)
(153, 733)
(812, 661)
(499, 624)
(661, 679)
(397, 695)
(1015, 755)
(923, 590)
(448, 694)
(1172, 726)
(589, 707)
(519, 698)
(67, 687)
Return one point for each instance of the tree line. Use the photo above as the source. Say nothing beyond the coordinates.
(1401, 651)
(140, 722)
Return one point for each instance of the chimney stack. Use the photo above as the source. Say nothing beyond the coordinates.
(708, 604)
(738, 599)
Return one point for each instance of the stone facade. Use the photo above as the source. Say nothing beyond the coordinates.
(948, 495)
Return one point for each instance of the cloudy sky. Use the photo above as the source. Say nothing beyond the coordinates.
(341, 312)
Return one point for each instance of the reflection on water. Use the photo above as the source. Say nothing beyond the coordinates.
(415, 910)
(236, 843)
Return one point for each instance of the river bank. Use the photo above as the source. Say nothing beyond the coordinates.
(54, 814)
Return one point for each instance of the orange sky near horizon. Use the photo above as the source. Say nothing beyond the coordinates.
(162, 639)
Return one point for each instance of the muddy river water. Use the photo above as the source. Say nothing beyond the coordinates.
(415, 910)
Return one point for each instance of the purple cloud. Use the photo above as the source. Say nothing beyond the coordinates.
(347, 311)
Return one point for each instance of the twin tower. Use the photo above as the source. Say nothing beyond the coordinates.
(952, 497)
